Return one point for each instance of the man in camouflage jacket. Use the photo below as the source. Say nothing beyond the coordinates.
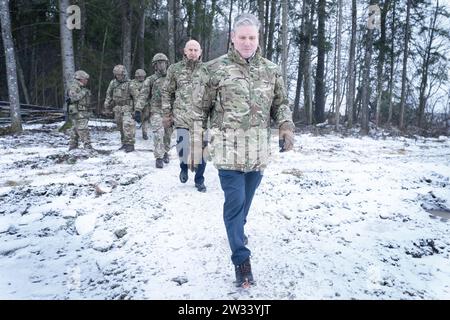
(245, 92)
(186, 80)
(78, 107)
(136, 86)
(119, 99)
(149, 101)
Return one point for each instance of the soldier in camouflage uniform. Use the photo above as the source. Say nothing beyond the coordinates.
(136, 86)
(150, 99)
(78, 106)
(119, 99)
(186, 80)
(244, 93)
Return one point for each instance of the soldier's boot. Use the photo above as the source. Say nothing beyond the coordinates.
(144, 135)
(128, 148)
(200, 187)
(183, 176)
(166, 157)
(122, 147)
(159, 163)
(244, 276)
(73, 142)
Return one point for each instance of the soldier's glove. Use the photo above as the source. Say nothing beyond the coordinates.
(205, 138)
(286, 136)
(167, 122)
(137, 116)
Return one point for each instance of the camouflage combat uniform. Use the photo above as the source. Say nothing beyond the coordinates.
(79, 114)
(187, 80)
(136, 87)
(119, 98)
(243, 95)
(150, 97)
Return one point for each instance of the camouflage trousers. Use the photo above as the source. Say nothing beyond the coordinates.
(80, 129)
(161, 136)
(125, 123)
(145, 118)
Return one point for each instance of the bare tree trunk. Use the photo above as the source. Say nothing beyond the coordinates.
(22, 80)
(197, 15)
(178, 28)
(380, 65)
(425, 66)
(333, 102)
(391, 71)
(171, 31)
(405, 65)
(307, 90)
(338, 65)
(271, 31)
(11, 74)
(126, 35)
(262, 43)
(266, 24)
(66, 45)
(190, 17)
(210, 30)
(33, 68)
(284, 45)
(301, 57)
(229, 25)
(350, 99)
(82, 39)
(365, 89)
(319, 109)
(100, 76)
(141, 52)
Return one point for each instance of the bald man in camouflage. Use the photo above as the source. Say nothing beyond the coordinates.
(186, 80)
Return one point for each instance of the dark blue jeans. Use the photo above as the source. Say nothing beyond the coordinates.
(183, 148)
(239, 188)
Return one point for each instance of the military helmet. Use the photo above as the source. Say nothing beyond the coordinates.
(159, 57)
(80, 75)
(119, 69)
(140, 73)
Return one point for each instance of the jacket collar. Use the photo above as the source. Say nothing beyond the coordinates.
(234, 56)
(190, 63)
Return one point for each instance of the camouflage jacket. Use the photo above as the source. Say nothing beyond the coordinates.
(136, 87)
(119, 93)
(186, 80)
(150, 94)
(241, 98)
(80, 97)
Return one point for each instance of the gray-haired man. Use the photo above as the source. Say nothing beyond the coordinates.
(244, 92)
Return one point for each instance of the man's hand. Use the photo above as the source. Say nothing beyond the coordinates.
(286, 136)
(167, 122)
(137, 116)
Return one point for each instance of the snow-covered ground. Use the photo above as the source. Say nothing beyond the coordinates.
(338, 218)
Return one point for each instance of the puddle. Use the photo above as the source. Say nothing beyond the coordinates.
(444, 214)
(12, 183)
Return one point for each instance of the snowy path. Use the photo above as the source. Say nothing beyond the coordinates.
(339, 218)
